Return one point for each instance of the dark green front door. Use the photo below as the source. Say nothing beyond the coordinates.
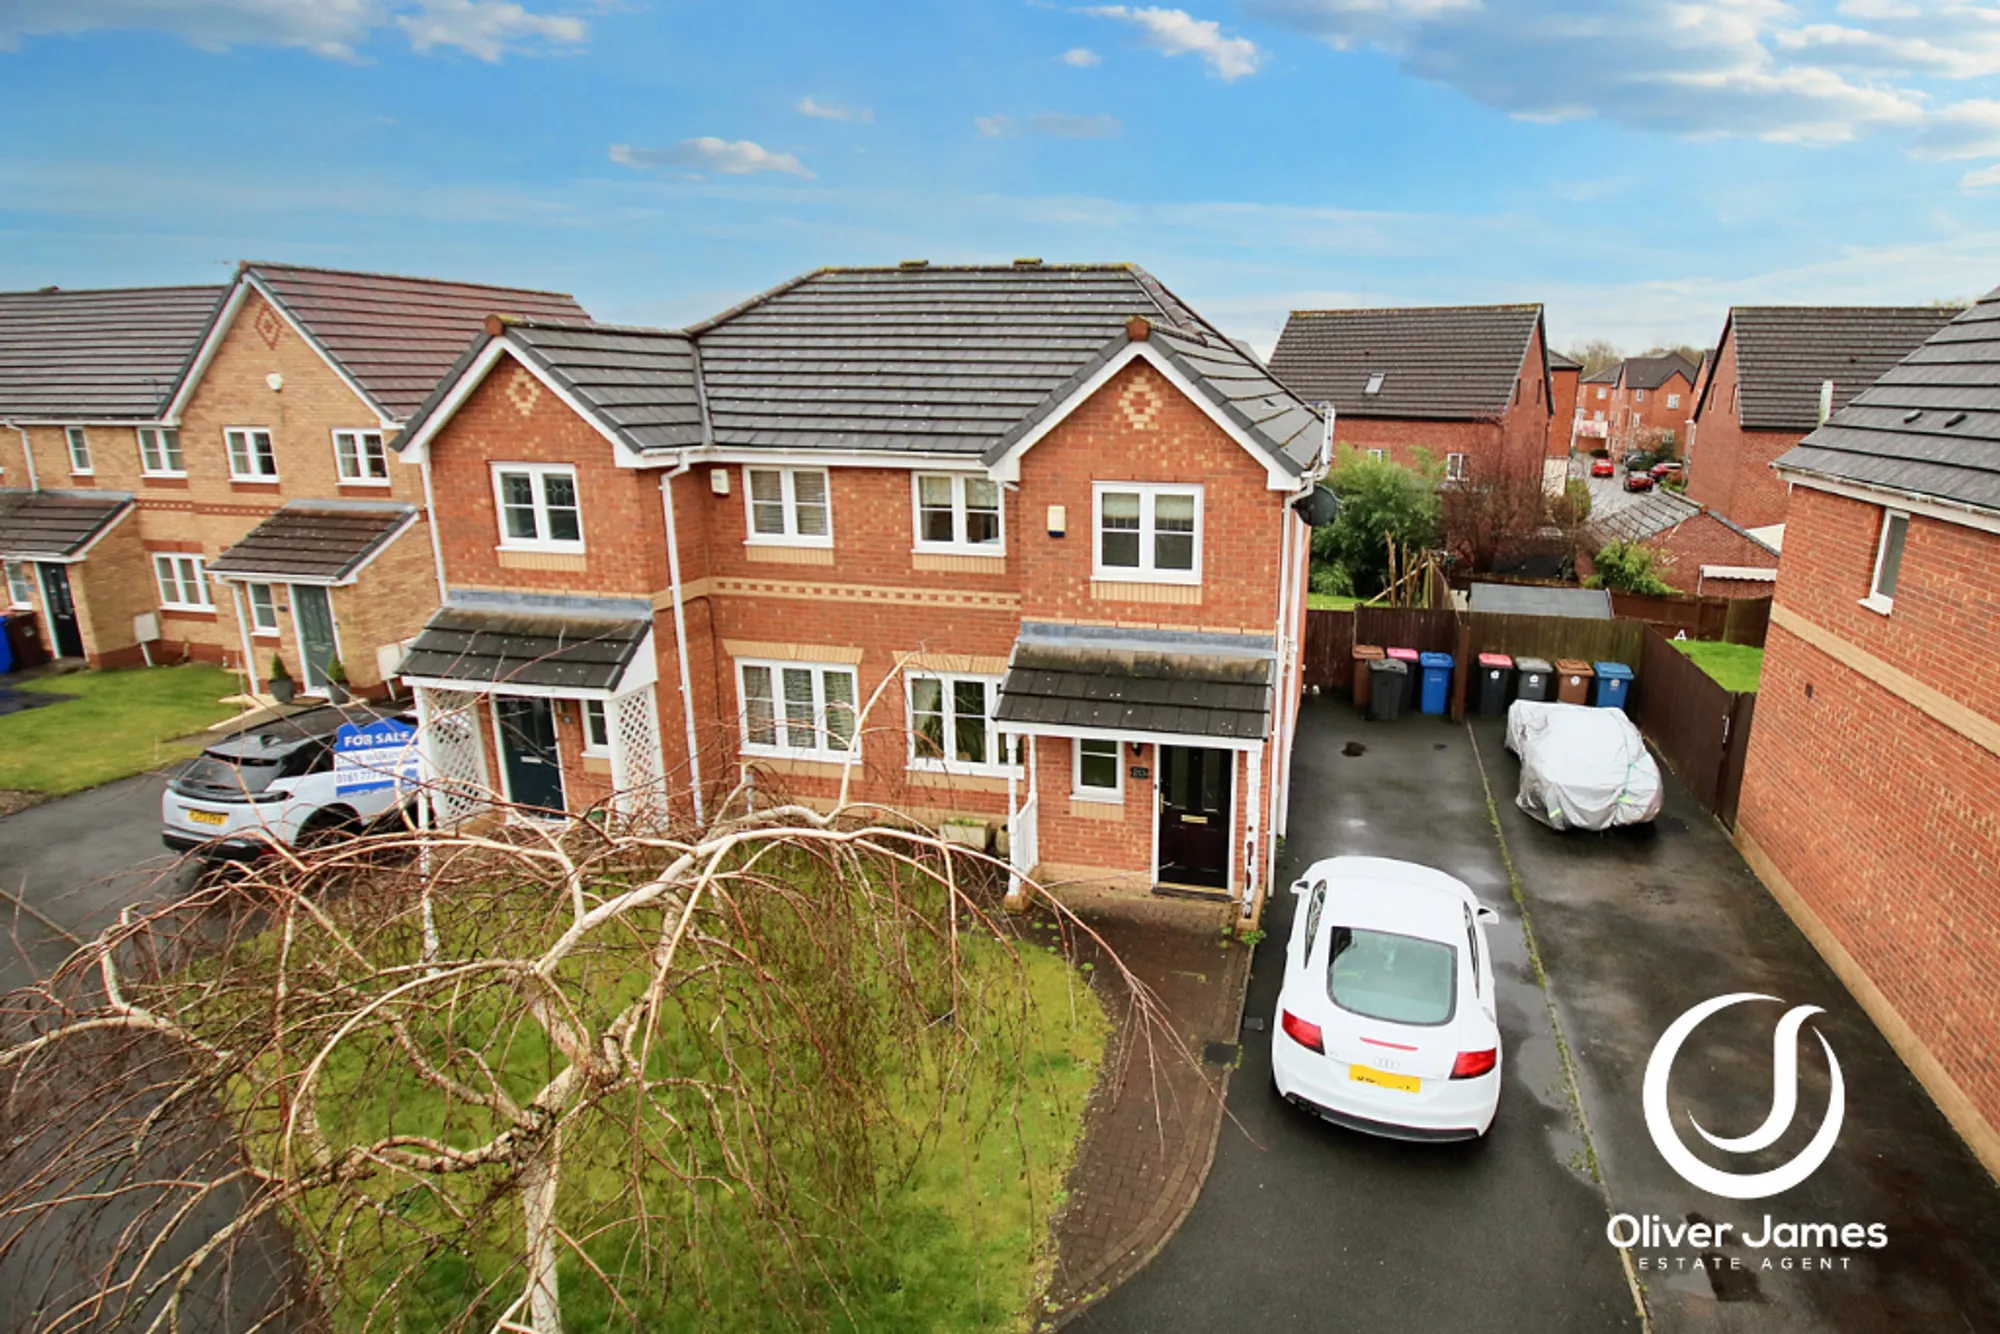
(312, 611)
(528, 751)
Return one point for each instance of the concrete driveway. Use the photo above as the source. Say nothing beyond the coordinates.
(1303, 1226)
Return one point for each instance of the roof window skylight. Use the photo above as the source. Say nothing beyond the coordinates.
(1374, 383)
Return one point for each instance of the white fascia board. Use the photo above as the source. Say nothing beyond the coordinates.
(418, 449)
(1757, 573)
(1128, 734)
(1008, 467)
(224, 320)
(1965, 516)
(504, 688)
(817, 458)
(643, 670)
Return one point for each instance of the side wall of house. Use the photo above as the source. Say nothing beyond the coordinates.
(1563, 393)
(390, 601)
(1524, 427)
(1681, 551)
(1481, 442)
(1729, 469)
(113, 584)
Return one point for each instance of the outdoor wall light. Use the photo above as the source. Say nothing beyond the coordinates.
(718, 481)
(275, 380)
(1138, 748)
(1058, 520)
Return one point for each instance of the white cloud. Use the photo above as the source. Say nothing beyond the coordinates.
(994, 127)
(1964, 130)
(1054, 124)
(1080, 57)
(822, 111)
(486, 29)
(738, 158)
(1175, 32)
(1983, 179)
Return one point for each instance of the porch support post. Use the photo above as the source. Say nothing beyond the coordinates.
(621, 800)
(1252, 857)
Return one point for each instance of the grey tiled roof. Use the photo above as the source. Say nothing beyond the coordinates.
(1655, 513)
(397, 336)
(1609, 375)
(1560, 361)
(1784, 354)
(50, 525)
(98, 355)
(1137, 682)
(314, 540)
(522, 647)
(1652, 372)
(1930, 426)
(1437, 362)
(640, 382)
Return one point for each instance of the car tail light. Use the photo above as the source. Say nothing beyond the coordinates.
(1307, 1035)
(1472, 1064)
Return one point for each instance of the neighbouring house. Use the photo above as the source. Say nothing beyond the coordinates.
(1593, 408)
(84, 381)
(1565, 387)
(1694, 549)
(1467, 385)
(1013, 549)
(279, 527)
(1764, 393)
(1869, 790)
(1650, 402)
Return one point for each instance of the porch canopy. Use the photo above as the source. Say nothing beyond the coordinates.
(525, 644)
(315, 542)
(1178, 687)
(56, 525)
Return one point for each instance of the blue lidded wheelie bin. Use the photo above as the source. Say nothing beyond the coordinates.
(1436, 668)
(1614, 685)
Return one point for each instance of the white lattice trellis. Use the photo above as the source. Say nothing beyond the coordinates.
(454, 755)
(638, 770)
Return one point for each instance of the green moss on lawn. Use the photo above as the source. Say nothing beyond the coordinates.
(120, 723)
(1736, 666)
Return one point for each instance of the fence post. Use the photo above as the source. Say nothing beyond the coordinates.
(1458, 677)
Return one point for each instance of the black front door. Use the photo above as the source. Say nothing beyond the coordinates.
(528, 750)
(1194, 816)
(64, 632)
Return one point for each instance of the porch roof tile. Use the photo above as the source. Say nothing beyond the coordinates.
(54, 525)
(314, 541)
(519, 647)
(1163, 689)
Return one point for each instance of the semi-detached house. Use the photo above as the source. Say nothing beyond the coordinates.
(1015, 545)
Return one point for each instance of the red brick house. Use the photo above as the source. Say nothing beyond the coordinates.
(1565, 386)
(1467, 385)
(1871, 792)
(1763, 393)
(1010, 545)
(1593, 408)
(1649, 402)
(1694, 549)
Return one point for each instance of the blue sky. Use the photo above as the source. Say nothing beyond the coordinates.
(1638, 165)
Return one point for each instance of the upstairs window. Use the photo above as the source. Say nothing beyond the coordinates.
(789, 506)
(538, 507)
(1639, 395)
(797, 710)
(361, 458)
(1673, 400)
(951, 724)
(1454, 467)
(1888, 561)
(183, 583)
(1148, 532)
(79, 450)
(160, 452)
(251, 457)
(1600, 391)
(957, 512)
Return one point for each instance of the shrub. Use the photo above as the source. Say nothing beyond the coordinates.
(1377, 498)
(1626, 567)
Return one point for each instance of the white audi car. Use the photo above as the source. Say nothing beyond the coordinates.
(1386, 1019)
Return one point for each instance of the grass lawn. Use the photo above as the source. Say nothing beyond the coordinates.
(1330, 602)
(1736, 666)
(120, 723)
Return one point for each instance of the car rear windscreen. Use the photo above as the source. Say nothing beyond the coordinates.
(229, 777)
(1401, 979)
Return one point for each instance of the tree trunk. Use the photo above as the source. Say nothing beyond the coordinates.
(538, 1205)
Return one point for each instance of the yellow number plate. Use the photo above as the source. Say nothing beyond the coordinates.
(216, 818)
(1362, 1074)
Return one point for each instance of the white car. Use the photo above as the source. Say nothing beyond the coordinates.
(1386, 1019)
(1582, 768)
(274, 782)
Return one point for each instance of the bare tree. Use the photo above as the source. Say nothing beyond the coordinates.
(1595, 354)
(408, 1080)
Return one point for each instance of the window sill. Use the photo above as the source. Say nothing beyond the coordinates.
(1878, 604)
(1117, 575)
(182, 610)
(838, 760)
(595, 754)
(756, 540)
(991, 551)
(1098, 798)
(543, 548)
(266, 634)
(363, 481)
(254, 481)
(167, 476)
(966, 770)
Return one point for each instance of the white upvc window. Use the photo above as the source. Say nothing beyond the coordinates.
(797, 710)
(596, 728)
(952, 727)
(957, 512)
(1888, 561)
(1378, 454)
(1147, 532)
(1095, 771)
(160, 452)
(263, 600)
(183, 583)
(78, 441)
(361, 458)
(789, 506)
(1600, 391)
(251, 455)
(20, 585)
(1600, 413)
(1454, 467)
(1638, 395)
(538, 507)
(1673, 400)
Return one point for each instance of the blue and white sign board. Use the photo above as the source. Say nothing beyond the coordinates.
(382, 754)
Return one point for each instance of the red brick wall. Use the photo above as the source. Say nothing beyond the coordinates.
(1681, 551)
(1564, 387)
(1734, 588)
(1524, 426)
(1482, 442)
(1638, 423)
(1729, 468)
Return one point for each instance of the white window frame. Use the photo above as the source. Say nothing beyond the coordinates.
(76, 440)
(958, 544)
(1454, 467)
(600, 710)
(1599, 416)
(1111, 796)
(20, 584)
(1601, 389)
(164, 438)
(996, 741)
(1378, 454)
(780, 746)
(249, 435)
(538, 475)
(1673, 400)
(788, 495)
(1638, 396)
(259, 628)
(175, 571)
(362, 461)
(1877, 600)
(1374, 384)
(1146, 572)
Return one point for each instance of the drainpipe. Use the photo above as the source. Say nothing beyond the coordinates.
(680, 633)
(27, 454)
(431, 522)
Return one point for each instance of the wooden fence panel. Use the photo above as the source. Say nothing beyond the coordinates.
(1730, 788)
(1329, 649)
(1749, 620)
(1700, 729)
(1697, 617)
(1555, 637)
(1407, 627)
